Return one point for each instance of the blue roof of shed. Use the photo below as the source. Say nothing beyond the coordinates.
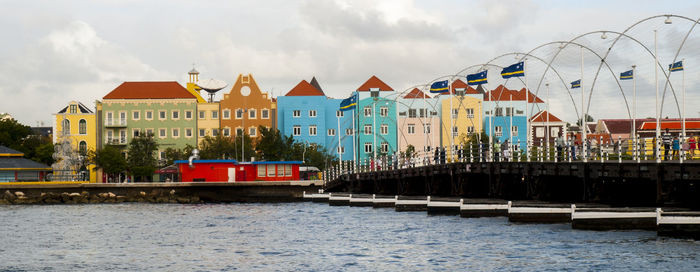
(236, 162)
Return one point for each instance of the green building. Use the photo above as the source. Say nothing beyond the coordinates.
(164, 109)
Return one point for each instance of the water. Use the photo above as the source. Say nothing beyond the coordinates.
(313, 237)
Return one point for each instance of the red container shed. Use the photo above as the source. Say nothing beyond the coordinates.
(234, 171)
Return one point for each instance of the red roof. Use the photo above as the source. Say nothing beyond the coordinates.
(149, 90)
(459, 84)
(374, 82)
(304, 89)
(416, 93)
(501, 93)
(675, 125)
(542, 117)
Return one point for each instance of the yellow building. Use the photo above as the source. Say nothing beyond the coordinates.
(465, 118)
(208, 118)
(77, 123)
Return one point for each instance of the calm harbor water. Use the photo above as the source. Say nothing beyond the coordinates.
(313, 237)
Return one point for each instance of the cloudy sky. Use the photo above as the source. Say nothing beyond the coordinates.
(57, 51)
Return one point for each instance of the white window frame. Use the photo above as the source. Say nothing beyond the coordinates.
(331, 132)
(271, 171)
(188, 115)
(175, 114)
(368, 148)
(262, 170)
(202, 132)
(239, 114)
(498, 131)
(339, 113)
(470, 112)
(149, 112)
(176, 132)
(411, 129)
(162, 133)
(367, 129)
(135, 133)
(265, 114)
(162, 115)
(312, 113)
(188, 133)
(226, 114)
(514, 130)
(136, 115)
(296, 131)
(215, 115)
(226, 132)
(202, 115)
(252, 114)
(348, 131)
(384, 147)
(384, 129)
(313, 130)
(383, 111)
(296, 113)
(367, 111)
(253, 132)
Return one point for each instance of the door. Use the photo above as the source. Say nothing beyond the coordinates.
(232, 174)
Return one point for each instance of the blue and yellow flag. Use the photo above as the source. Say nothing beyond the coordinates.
(676, 66)
(627, 75)
(477, 79)
(515, 70)
(439, 87)
(348, 103)
(576, 84)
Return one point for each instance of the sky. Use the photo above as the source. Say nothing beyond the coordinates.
(57, 51)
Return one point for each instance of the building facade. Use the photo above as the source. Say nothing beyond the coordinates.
(504, 114)
(415, 126)
(461, 114)
(77, 124)
(542, 122)
(245, 107)
(376, 111)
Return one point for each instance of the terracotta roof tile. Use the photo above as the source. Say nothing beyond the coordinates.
(374, 82)
(501, 93)
(674, 125)
(304, 88)
(416, 93)
(149, 90)
(541, 117)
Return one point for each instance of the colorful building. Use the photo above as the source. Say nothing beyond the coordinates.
(234, 171)
(208, 112)
(77, 124)
(245, 107)
(165, 110)
(309, 116)
(13, 167)
(415, 127)
(461, 114)
(540, 122)
(504, 114)
(376, 112)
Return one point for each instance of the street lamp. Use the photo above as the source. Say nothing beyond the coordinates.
(603, 36)
(668, 20)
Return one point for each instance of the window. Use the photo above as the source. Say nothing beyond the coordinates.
(426, 128)
(82, 147)
(66, 127)
(239, 113)
(188, 132)
(514, 130)
(539, 132)
(499, 111)
(270, 170)
(122, 117)
(73, 108)
(287, 170)
(296, 131)
(455, 131)
(312, 113)
(176, 132)
(470, 129)
(422, 113)
(239, 131)
(384, 147)
(149, 115)
(470, 113)
(368, 111)
(253, 131)
(368, 129)
(161, 115)
(161, 133)
(412, 113)
(214, 132)
(188, 115)
(226, 132)
(341, 149)
(509, 111)
(261, 170)
(383, 111)
(202, 132)
(554, 131)
(214, 114)
(455, 113)
(176, 115)
(411, 129)
(202, 115)
(162, 155)
(135, 132)
(135, 115)
(252, 113)
(519, 112)
(499, 131)
(374, 92)
(82, 126)
(109, 136)
(109, 118)
(348, 131)
(339, 114)
(368, 147)
(331, 132)
(312, 130)
(402, 113)
(265, 114)
(280, 170)
(296, 113)
(149, 131)
(384, 129)
(226, 114)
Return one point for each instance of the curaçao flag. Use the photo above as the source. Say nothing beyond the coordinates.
(477, 79)
(515, 70)
(576, 84)
(349, 103)
(627, 75)
(439, 87)
(676, 66)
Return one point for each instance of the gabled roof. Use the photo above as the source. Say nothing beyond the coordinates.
(149, 90)
(674, 125)
(459, 84)
(19, 163)
(314, 83)
(415, 93)
(304, 89)
(501, 93)
(541, 117)
(82, 108)
(9, 152)
(374, 82)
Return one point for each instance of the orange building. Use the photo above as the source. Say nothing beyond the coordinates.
(246, 107)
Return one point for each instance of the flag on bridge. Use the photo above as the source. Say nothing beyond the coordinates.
(349, 103)
(439, 87)
(477, 79)
(515, 70)
(576, 84)
(627, 75)
(676, 66)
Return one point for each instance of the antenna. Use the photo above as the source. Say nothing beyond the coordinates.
(212, 86)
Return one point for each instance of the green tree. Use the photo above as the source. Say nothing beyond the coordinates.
(173, 154)
(247, 147)
(218, 147)
(141, 159)
(109, 158)
(588, 120)
(12, 133)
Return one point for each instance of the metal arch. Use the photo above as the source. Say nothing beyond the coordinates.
(554, 70)
(668, 82)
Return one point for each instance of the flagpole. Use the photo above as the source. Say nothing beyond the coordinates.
(510, 130)
(583, 114)
(547, 126)
(682, 115)
(490, 155)
(658, 114)
(340, 158)
(425, 130)
(527, 116)
(452, 136)
(634, 110)
(354, 138)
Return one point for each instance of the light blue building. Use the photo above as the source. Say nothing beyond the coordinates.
(310, 117)
(499, 105)
(376, 119)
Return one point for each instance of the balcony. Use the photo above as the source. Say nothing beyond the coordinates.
(115, 141)
(109, 122)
